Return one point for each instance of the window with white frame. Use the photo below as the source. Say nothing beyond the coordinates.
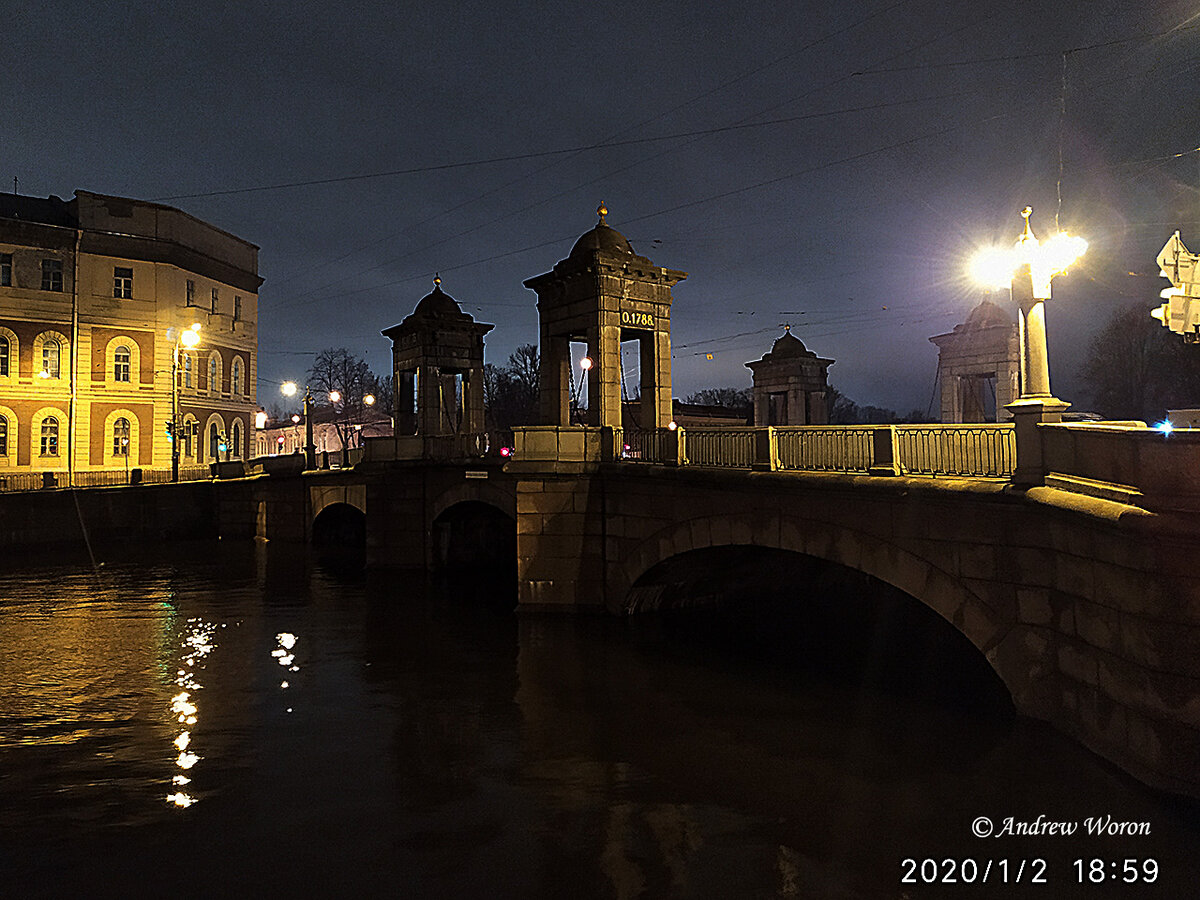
(187, 370)
(120, 437)
(123, 282)
(3, 436)
(235, 445)
(52, 275)
(5, 347)
(49, 443)
(51, 358)
(122, 359)
(214, 374)
(235, 376)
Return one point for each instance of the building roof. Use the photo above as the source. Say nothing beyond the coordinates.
(43, 210)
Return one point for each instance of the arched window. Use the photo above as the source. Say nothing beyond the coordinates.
(235, 376)
(121, 363)
(188, 446)
(51, 353)
(3, 436)
(120, 437)
(235, 446)
(214, 374)
(187, 371)
(214, 442)
(49, 436)
(4, 347)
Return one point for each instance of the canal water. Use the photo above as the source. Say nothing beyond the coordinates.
(237, 720)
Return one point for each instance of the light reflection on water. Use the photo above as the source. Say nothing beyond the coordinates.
(442, 750)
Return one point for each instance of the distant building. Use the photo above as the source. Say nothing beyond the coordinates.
(979, 366)
(791, 384)
(94, 293)
(286, 438)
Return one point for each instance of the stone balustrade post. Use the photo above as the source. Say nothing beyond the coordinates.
(1028, 413)
(674, 447)
(766, 455)
(885, 455)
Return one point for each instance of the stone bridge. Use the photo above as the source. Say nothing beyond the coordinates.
(1080, 591)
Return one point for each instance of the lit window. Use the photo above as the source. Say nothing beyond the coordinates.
(52, 275)
(215, 300)
(4, 348)
(121, 363)
(120, 437)
(122, 282)
(235, 377)
(191, 293)
(6, 269)
(50, 436)
(51, 354)
(3, 436)
(187, 371)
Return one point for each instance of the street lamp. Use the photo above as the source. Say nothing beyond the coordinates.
(288, 388)
(188, 338)
(1027, 269)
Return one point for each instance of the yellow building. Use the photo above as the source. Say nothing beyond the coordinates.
(95, 294)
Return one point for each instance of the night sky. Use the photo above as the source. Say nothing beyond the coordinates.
(827, 165)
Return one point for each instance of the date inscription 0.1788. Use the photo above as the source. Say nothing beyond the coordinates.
(637, 319)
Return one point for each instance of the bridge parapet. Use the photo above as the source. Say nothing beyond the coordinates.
(981, 450)
(1126, 462)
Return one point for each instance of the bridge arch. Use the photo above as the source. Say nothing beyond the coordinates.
(321, 496)
(339, 524)
(926, 580)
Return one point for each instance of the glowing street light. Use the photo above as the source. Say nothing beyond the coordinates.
(1027, 269)
(369, 399)
(188, 338)
(289, 389)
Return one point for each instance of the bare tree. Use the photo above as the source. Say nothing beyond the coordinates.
(338, 372)
(1136, 369)
(510, 393)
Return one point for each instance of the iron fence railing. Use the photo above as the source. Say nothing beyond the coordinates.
(36, 481)
(984, 451)
(724, 447)
(824, 448)
(634, 445)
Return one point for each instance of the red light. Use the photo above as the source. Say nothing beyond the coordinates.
(505, 451)
(280, 439)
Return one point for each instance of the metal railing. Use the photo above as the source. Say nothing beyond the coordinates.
(36, 481)
(723, 447)
(825, 448)
(983, 451)
(641, 446)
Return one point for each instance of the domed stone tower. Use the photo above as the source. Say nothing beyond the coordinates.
(790, 383)
(979, 366)
(437, 363)
(603, 293)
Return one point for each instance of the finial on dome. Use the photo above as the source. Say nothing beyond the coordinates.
(786, 327)
(437, 279)
(602, 211)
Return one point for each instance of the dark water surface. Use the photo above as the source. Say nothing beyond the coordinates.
(237, 721)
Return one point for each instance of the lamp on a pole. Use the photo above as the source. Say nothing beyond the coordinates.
(1027, 268)
(187, 338)
(289, 389)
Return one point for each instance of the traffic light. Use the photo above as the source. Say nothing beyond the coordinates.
(170, 430)
(1181, 312)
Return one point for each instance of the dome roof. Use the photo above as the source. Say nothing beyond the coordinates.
(986, 315)
(438, 305)
(601, 239)
(789, 345)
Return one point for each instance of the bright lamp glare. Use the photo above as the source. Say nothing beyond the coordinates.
(335, 396)
(288, 388)
(1165, 426)
(585, 363)
(1061, 251)
(993, 267)
(189, 338)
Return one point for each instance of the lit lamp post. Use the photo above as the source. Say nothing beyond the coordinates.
(188, 338)
(1027, 269)
(288, 388)
(585, 366)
